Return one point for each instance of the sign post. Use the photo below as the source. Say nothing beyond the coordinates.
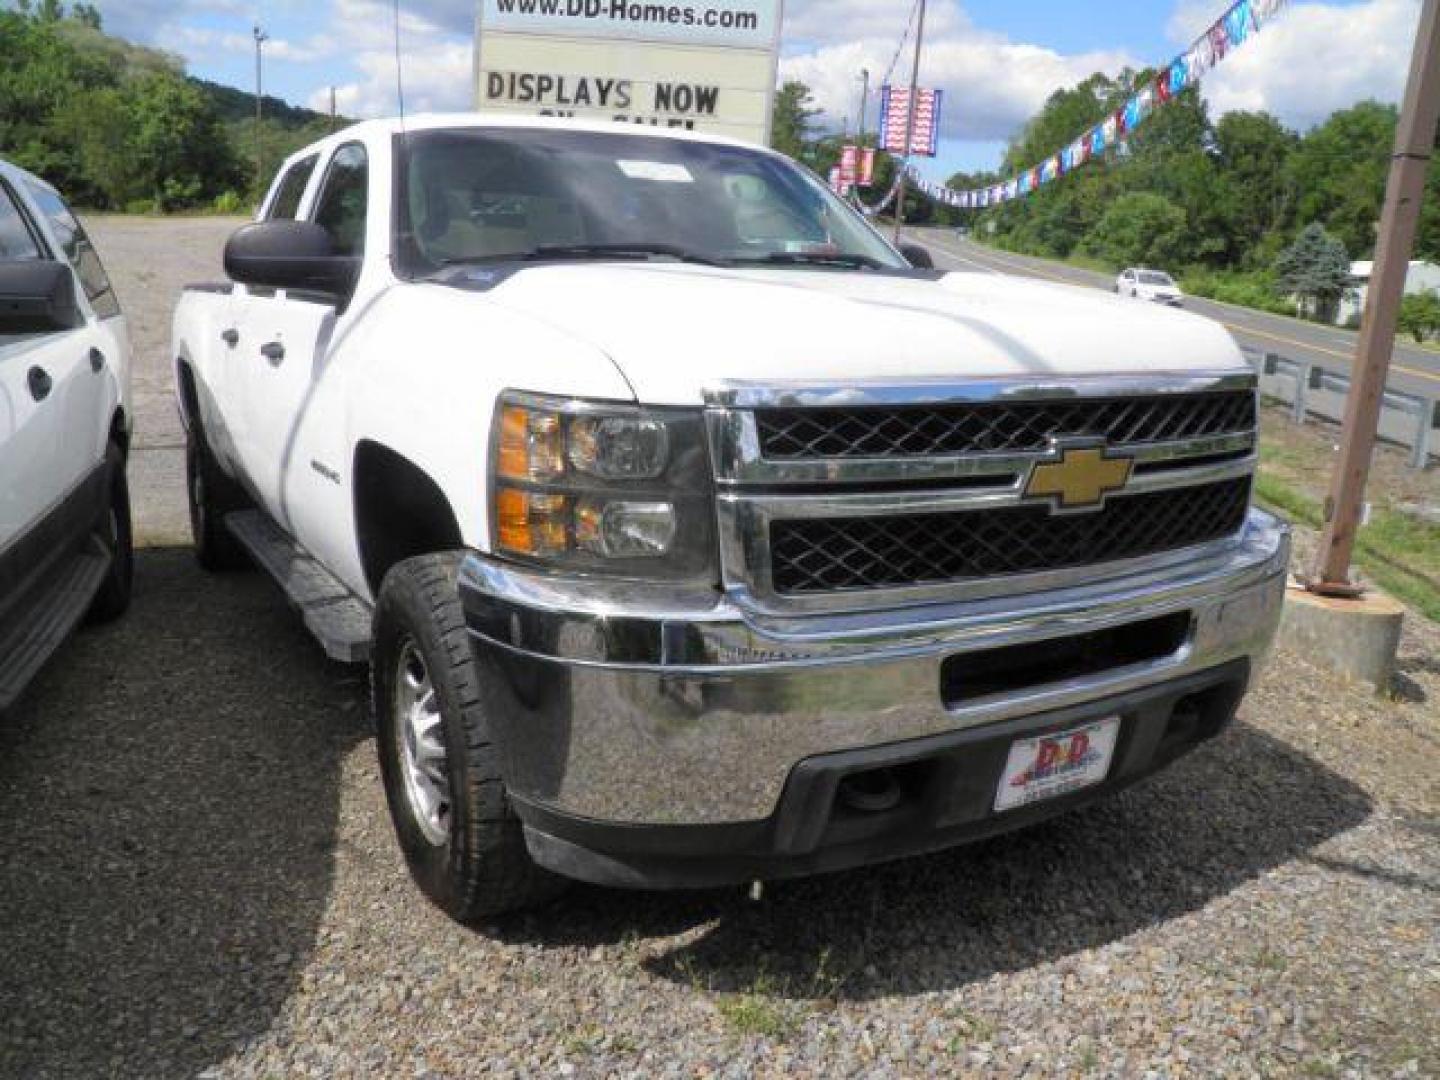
(1399, 221)
(707, 66)
(910, 120)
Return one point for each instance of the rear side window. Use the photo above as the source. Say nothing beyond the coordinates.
(286, 206)
(344, 198)
(79, 250)
(16, 239)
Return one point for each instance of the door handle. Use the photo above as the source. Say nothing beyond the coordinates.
(40, 383)
(97, 361)
(273, 351)
(231, 337)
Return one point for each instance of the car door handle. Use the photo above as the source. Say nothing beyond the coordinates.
(231, 337)
(40, 383)
(97, 361)
(273, 351)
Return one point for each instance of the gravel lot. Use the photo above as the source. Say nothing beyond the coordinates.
(199, 878)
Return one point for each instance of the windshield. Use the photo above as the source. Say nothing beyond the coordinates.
(477, 195)
(1154, 277)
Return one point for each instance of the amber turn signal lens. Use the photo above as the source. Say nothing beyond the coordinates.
(531, 524)
(514, 444)
(532, 445)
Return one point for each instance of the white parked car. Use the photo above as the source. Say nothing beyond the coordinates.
(64, 431)
(692, 533)
(1153, 285)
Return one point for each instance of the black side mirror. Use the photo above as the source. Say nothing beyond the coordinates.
(917, 256)
(290, 255)
(37, 297)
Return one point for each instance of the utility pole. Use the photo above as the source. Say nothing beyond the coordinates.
(864, 104)
(334, 112)
(910, 121)
(260, 38)
(1399, 221)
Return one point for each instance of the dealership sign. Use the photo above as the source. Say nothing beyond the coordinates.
(703, 66)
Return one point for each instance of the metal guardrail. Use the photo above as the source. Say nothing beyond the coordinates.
(1309, 389)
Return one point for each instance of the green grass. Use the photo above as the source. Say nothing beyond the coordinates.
(1399, 552)
(757, 1015)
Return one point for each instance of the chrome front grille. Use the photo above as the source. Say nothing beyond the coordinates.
(845, 554)
(836, 498)
(992, 427)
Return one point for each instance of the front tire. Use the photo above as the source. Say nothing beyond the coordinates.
(211, 495)
(115, 532)
(452, 816)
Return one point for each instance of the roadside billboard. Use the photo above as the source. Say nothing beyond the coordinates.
(706, 65)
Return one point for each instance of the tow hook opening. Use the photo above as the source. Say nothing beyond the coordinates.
(872, 792)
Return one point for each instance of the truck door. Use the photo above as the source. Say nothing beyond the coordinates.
(285, 352)
(94, 392)
(48, 389)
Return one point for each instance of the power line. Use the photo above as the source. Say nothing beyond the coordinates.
(899, 49)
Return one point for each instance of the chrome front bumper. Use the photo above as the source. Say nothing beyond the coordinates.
(637, 705)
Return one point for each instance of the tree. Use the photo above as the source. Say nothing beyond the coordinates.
(1316, 268)
(88, 15)
(793, 118)
(1420, 315)
(1139, 229)
(1339, 170)
(1252, 152)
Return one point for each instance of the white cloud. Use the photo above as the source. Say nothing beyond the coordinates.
(437, 62)
(992, 83)
(190, 39)
(1317, 58)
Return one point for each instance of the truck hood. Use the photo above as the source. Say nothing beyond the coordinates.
(677, 330)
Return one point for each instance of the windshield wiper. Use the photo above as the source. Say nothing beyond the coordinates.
(818, 258)
(559, 252)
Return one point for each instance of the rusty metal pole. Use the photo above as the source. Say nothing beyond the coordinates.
(1414, 147)
(910, 121)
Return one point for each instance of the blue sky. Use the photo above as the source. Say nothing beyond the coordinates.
(997, 59)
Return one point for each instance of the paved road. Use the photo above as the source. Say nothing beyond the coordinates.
(1414, 370)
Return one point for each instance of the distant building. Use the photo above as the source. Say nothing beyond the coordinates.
(1423, 276)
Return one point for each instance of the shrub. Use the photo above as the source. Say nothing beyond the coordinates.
(229, 202)
(1420, 315)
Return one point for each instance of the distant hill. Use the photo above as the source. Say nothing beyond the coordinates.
(232, 104)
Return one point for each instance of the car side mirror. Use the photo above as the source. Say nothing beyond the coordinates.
(917, 256)
(37, 296)
(290, 255)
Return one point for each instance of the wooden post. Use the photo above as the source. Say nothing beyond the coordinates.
(1414, 146)
(910, 121)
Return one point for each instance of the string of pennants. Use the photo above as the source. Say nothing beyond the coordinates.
(1241, 22)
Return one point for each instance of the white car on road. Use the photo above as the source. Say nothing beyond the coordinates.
(64, 431)
(1153, 285)
(694, 534)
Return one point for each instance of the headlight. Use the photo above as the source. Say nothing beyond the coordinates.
(600, 487)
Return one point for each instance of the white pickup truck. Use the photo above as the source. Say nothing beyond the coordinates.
(692, 533)
(65, 421)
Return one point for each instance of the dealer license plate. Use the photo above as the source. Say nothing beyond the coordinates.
(1054, 765)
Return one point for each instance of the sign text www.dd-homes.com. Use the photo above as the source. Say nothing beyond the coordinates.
(742, 24)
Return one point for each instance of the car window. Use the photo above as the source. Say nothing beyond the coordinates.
(16, 239)
(344, 198)
(286, 204)
(79, 250)
(1152, 277)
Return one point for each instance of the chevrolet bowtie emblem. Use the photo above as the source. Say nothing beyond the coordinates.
(1080, 479)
